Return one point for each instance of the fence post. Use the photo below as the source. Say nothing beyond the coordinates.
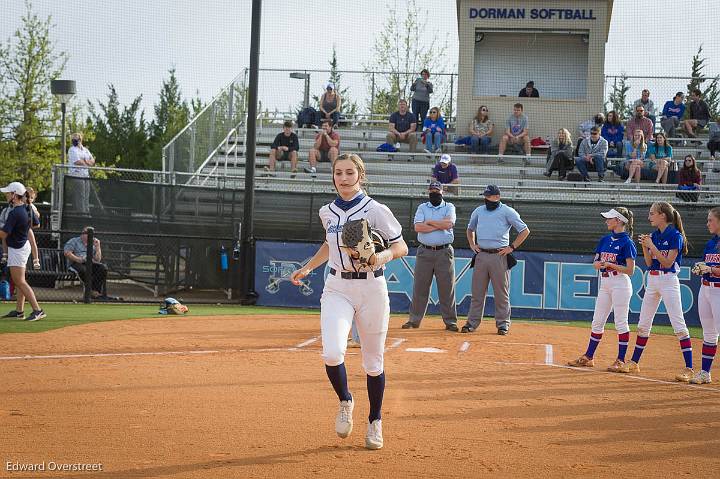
(191, 165)
(372, 96)
(231, 105)
(452, 84)
(87, 298)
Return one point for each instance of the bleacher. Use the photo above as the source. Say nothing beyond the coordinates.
(405, 173)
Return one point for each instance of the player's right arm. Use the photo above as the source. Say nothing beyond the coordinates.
(318, 259)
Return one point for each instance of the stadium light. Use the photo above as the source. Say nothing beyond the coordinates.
(63, 90)
(306, 77)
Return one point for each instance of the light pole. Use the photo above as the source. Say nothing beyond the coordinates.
(306, 77)
(63, 90)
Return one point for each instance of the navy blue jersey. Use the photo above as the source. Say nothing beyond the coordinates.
(17, 225)
(615, 248)
(711, 257)
(666, 241)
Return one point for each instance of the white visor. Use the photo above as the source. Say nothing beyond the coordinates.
(614, 214)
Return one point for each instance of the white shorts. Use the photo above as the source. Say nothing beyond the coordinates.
(19, 257)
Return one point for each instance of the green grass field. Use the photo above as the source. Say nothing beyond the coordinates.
(62, 315)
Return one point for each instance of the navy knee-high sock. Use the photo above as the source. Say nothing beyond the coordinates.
(376, 389)
(338, 378)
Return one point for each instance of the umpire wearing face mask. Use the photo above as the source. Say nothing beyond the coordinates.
(488, 234)
(434, 222)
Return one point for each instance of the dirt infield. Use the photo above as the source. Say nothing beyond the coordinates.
(248, 397)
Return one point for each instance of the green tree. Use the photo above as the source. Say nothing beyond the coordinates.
(172, 113)
(29, 117)
(711, 90)
(120, 132)
(401, 50)
(617, 98)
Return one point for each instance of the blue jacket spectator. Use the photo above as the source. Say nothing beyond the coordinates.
(614, 132)
(672, 113)
(434, 130)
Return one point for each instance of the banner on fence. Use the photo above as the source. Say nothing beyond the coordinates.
(542, 285)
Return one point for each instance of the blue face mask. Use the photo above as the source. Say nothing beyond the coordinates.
(75, 142)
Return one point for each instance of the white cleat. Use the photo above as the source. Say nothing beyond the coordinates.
(374, 437)
(343, 420)
(701, 377)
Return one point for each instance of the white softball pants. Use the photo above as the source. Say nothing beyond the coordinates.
(667, 288)
(367, 302)
(613, 295)
(709, 312)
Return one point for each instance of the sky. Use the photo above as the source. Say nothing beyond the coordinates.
(133, 43)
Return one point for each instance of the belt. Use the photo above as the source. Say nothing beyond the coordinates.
(491, 251)
(442, 246)
(609, 273)
(657, 272)
(356, 275)
(711, 283)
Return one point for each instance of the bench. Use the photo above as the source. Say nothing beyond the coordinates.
(53, 269)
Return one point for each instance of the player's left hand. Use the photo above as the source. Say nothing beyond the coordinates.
(505, 251)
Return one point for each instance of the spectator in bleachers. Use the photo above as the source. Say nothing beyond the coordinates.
(284, 148)
(481, 131)
(326, 147)
(593, 152)
(560, 155)
(614, 132)
(699, 114)
(445, 172)
(421, 89)
(639, 122)
(516, 132)
(689, 178)
(434, 130)
(672, 113)
(659, 156)
(585, 127)
(529, 91)
(75, 251)
(330, 104)
(713, 143)
(79, 158)
(636, 152)
(647, 105)
(402, 127)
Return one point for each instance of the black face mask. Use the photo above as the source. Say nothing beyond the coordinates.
(491, 205)
(435, 198)
(75, 142)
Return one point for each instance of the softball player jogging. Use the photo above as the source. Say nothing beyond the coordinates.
(355, 291)
(615, 260)
(663, 251)
(709, 298)
(16, 231)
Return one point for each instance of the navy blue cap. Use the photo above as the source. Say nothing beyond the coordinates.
(491, 190)
(435, 185)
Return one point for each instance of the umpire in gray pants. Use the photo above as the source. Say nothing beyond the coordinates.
(488, 234)
(434, 222)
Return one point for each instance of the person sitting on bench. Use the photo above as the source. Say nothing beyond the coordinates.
(76, 252)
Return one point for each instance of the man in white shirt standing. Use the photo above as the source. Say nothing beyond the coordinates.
(79, 158)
